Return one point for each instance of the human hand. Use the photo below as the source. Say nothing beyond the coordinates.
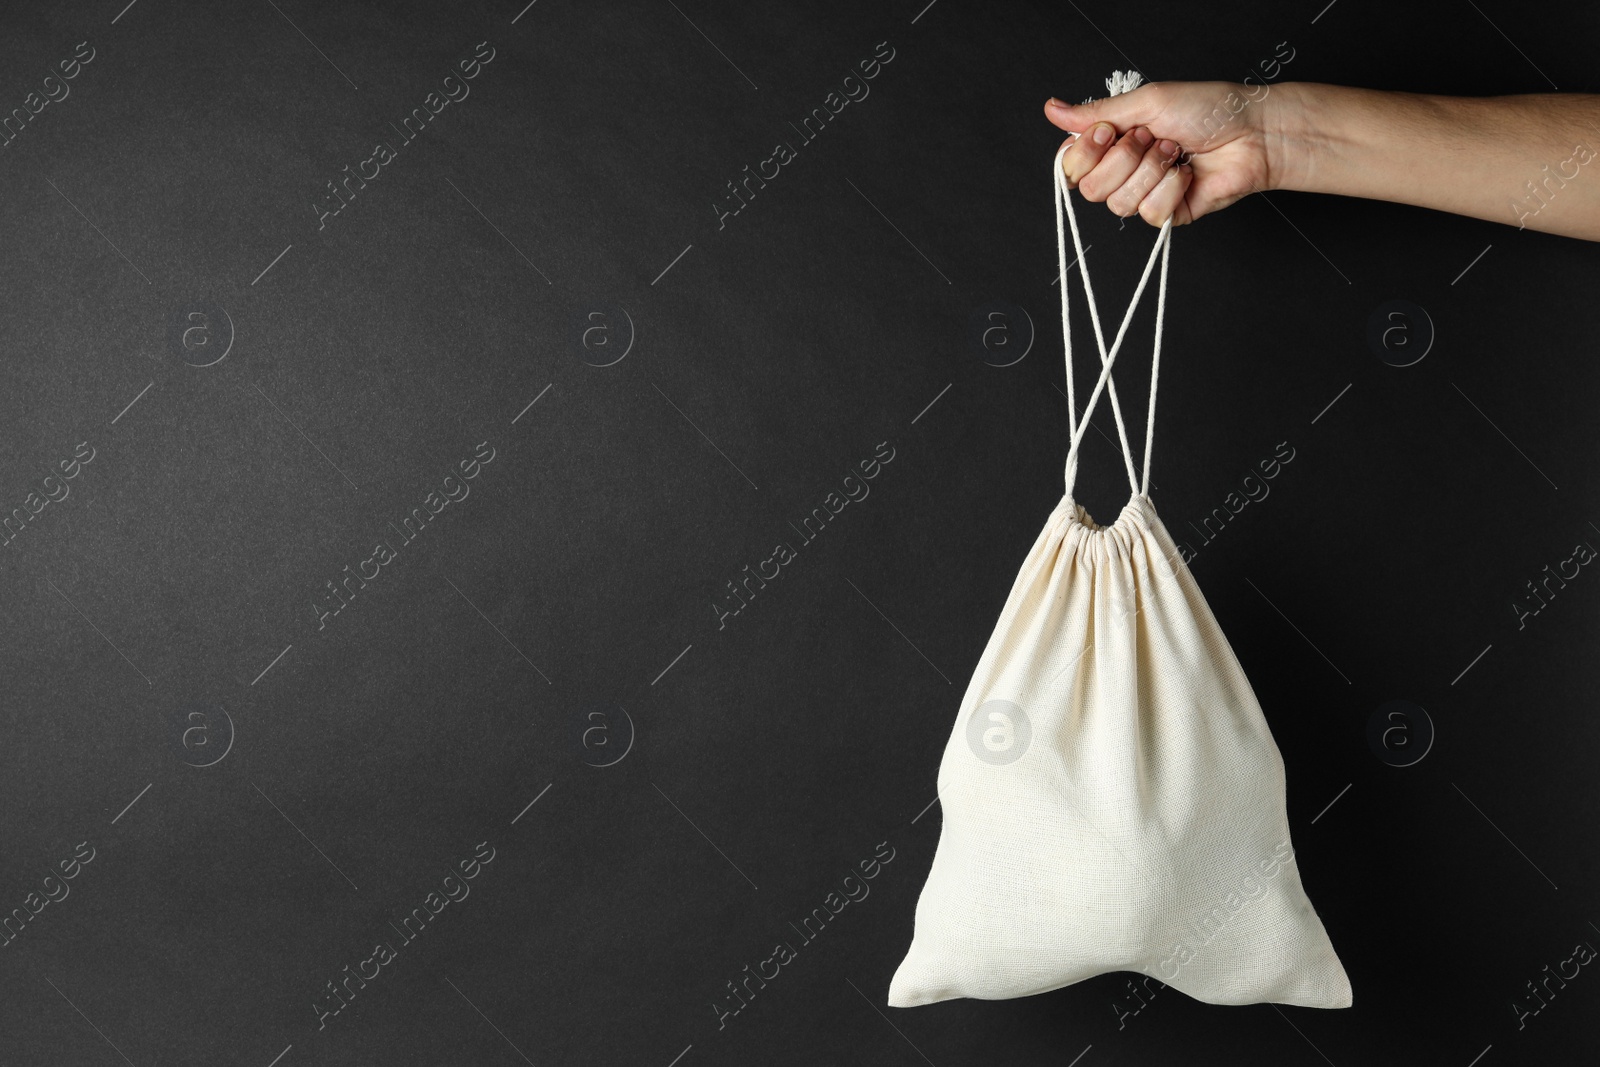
(1127, 146)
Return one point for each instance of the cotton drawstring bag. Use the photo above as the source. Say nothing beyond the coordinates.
(1112, 797)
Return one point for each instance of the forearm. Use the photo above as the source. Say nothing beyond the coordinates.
(1529, 161)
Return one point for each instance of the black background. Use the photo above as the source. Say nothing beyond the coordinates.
(768, 357)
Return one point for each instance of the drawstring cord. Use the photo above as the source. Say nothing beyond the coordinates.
(1119, 82)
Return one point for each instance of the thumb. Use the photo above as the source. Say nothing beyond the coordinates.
(1124, 111)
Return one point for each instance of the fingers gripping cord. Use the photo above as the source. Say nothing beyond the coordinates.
(1118, 82)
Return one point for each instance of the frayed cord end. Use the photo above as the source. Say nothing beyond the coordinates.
(1121, 81)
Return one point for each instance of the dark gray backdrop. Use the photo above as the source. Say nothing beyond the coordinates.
(264, 793)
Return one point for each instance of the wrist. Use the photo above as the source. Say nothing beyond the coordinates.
(1291, 135)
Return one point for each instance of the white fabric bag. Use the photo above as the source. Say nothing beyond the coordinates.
(1112, 797)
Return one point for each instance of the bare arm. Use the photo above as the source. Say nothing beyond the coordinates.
(1523, 160)
(1527, 161)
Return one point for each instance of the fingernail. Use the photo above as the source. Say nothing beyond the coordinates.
(1053, 102)
(1168, 147)
(1102, 134)
(1143, 136)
